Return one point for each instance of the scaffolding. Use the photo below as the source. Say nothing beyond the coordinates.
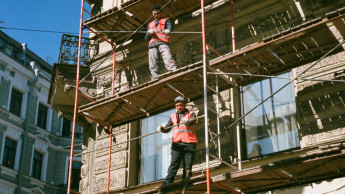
(201, 69)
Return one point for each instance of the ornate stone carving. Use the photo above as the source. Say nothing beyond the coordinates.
(104, 81)
(84, 170)
(121, 129)
(118, 160)
(117, 180)
(104, 143)
(83, 185)
(320, 138)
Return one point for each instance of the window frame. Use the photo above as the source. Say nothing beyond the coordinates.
(62, 127)
(38, 116)
(14, 155)
(244, 151)
(33, 163)
(76, 159)
(14, 134)
(41, 147)
(21, 103)
(155, 175)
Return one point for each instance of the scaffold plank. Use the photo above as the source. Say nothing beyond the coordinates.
(282, 52)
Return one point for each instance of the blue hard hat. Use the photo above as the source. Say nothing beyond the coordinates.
(180, 99)
(155, 7)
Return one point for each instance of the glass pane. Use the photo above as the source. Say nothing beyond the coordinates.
(37, 165)
(155, 149)
(16, 102)
(66, 127)
(271, 127)
(42, 116)
(9, 153)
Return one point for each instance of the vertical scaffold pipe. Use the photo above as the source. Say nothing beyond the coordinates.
(109, 157)
(232, 26)
(110, 128)
(75, 99)
(113, 74)
(218, 122)
(205, 95)
(236, 114)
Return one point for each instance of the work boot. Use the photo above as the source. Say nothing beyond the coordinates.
(188, 175)
(154, 78)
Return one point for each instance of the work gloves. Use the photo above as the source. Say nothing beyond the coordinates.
(160, 128)
(184, 121)
(166, 31)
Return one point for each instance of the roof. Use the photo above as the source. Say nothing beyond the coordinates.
(18, 46)
(277, 54)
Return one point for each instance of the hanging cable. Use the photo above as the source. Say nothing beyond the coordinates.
(277, 77)
(142, 32)
(37, 30)
(135, 138)
(312, 65)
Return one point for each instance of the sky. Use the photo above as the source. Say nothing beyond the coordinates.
(48, 15)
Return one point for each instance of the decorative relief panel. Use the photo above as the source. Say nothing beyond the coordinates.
(101, 132)
(104, 134)
(319, 138)
(117, 180)
(83, 185)
(326, 62)
(118, 160)
(104, 143)
(121, 129)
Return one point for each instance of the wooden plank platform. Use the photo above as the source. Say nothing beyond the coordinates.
(275, 55)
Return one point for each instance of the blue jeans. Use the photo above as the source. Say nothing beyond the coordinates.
(180, 151)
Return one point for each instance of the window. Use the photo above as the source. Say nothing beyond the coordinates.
(37, 165)
(271, 127)
(75, 177)
(66, 128)
(9, 153)
(42, 116)
(16, 102)
(155, 149)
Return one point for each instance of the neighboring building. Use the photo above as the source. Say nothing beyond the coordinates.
(34, 141)
(293, 142)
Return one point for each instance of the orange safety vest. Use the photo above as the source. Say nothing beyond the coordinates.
(186, 134)
(159, 35)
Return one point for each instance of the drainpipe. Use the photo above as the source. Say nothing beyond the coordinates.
(27, 124)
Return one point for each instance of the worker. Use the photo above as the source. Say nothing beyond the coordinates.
(183, 140)
(158, 34)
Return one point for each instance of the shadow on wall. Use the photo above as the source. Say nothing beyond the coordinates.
(321, 107)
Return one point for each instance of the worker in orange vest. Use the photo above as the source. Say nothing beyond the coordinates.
(158, 34)
(183, 140)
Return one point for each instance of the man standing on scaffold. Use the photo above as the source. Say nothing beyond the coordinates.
(183, 140)
(159, 34)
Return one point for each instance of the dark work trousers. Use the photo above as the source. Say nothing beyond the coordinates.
(180, 151)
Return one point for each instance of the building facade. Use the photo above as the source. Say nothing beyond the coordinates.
(281, 132)
(34, 141)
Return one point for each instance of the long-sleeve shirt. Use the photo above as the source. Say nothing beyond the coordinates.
(168, 25)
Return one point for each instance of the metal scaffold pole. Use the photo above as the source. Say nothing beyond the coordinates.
(76, 99)
(205, 95)
(234, 98)
(110, 128)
